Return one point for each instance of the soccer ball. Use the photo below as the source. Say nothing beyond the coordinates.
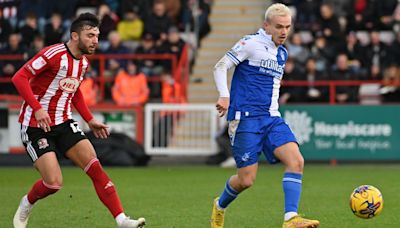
(366, 201)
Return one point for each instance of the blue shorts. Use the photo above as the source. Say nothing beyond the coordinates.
(251, 136)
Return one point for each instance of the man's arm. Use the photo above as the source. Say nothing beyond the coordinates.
(21, 83)
(221, 81)
(100, 130)
(79, 103)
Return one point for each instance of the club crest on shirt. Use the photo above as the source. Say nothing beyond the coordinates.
(38, 63)
(42, 143)
(69, 85)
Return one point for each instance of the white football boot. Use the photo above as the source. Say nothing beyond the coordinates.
(22, 215)
(131, 223)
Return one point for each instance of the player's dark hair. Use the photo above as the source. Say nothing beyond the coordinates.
(84, 19)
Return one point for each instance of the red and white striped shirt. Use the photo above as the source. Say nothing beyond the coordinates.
(54, 77)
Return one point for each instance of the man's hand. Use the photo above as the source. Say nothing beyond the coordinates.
(43, 120)
(222, 105)
(100, 130)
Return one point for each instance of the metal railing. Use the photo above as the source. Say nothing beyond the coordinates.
(180, 129)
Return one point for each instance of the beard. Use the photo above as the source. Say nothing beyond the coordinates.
(84, 50)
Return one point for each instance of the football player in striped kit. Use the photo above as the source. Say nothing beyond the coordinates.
(255, 124)
(49, 83)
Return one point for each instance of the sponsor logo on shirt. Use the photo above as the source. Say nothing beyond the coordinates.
(272, 67)
(69, 85)
(38, 63)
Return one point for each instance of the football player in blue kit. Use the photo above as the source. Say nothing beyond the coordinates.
(255, 124)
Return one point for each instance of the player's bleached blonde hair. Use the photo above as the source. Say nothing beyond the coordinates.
(277, 9)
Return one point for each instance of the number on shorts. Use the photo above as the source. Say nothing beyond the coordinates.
(75, 128)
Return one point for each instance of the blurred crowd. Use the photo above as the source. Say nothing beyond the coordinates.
(331, 40)
(127, 27)
(343, 40)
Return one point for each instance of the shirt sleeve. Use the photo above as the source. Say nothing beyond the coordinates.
(33, 67)
(239, 52)
(220, 75)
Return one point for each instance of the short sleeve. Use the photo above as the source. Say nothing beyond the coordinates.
(239, 52)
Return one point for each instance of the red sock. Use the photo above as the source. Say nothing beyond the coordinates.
(104, 187)
(40, 190)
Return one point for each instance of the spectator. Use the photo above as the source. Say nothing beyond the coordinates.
(296, 49)
(376, 53)
(29, 30)
(9, 67)
(89, 90)
(173, 8)
(330, 26)
(37, 45)
(171, 90)
(323, 53)
(307, 17)
(354, 52)
(113, 65)
(5, 29)
(10, 11)
(130, 28)
(203, 15)
(158, 22)
(315, 93)
(385, 11)
(341, 71)
(130, 87)
(148, 66)
(291, 93)
(116, 47)
(39, 8)
(359, 17)
(53, 31)
(13, 47)
(341, 7)
(143, 7)
(391, 81)
(173, 45)
(108, 22)
(394, 51)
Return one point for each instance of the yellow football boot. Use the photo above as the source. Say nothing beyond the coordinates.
(300, 222)
(217, 216)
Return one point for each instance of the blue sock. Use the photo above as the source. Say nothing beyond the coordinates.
(292, 189)
(227, 196)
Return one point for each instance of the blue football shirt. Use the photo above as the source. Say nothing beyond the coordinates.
(257, 76)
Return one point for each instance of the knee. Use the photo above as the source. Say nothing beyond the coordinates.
(296, 165)
(55, 182)
(247, 181)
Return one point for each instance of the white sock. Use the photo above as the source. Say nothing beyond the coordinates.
(289, 215)
(25, 202)
(121, 217)
(218, 206)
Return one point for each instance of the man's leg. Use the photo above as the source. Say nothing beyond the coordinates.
(289, 154)
(83, 155)
(244, 179)
(51, 182)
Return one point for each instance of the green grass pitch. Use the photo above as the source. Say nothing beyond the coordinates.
(181, 196)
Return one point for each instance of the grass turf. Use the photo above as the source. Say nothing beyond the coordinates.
(181, 196)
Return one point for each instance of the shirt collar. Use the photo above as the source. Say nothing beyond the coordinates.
(266, 36)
